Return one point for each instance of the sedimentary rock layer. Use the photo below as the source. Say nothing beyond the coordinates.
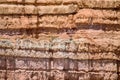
(80, 3)
(59, 39)
(84, 17)
(29, 68)
(41, 10)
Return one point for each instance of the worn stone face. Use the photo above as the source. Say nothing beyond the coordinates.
(17, 22)
(96, 16)
(57, 9)
(2, 74)
(59, 39)
(56, 21)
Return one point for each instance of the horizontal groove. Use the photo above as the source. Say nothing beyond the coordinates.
(61, 3)
(34, 4)
(15, 31)
(51, 58)
(104, 27)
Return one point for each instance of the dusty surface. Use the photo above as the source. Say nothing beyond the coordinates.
(59, 39)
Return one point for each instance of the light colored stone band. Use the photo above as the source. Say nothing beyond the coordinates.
(41, 10)
(81, 3)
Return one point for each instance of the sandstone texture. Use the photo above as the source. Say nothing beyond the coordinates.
(59, 39)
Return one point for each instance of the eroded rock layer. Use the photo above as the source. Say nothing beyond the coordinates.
(59, 39)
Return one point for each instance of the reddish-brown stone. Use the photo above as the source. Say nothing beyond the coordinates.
(59, 40)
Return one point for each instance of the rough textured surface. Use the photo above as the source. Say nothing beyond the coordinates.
(59, 39)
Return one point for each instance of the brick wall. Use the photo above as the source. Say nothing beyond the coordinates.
(59, 39)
